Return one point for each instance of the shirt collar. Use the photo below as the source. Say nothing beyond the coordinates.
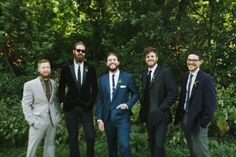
(43, 79)
(117, 73)
(195, 72)
(153, 68)
(79, 64)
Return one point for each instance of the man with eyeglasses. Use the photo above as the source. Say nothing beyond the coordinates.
(196, 106)
(77, 94)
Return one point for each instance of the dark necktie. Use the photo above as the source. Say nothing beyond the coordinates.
(147, 92)
(148, 80)
(113, 85)
(79, 77)
(47, 86)
(188, 91)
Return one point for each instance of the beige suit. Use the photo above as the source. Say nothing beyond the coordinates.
(42, 116)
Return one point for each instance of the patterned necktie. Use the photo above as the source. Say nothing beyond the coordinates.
(188, 92)
(47, 86)
(113, 85)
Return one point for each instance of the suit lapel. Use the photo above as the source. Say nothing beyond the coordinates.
(197, 80)
(185, 80)
(52, 90)
(107, 84)
(144, 78)
(155, 75)
(40, 88)
(118, 84)
(72, 70)
(85, 71)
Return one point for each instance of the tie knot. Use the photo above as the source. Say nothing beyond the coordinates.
(191, 75)
(46, 81)
(149, 72)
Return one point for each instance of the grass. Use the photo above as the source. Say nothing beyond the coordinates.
(218, 148)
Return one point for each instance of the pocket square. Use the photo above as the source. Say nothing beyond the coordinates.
(122, 86)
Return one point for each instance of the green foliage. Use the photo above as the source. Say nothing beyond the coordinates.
(225, 115)
(30, 30)
(217, 149)
(13, 129)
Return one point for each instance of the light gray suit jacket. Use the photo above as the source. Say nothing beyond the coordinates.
(36, 106)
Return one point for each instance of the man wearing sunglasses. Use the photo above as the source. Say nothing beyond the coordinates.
(77, 94)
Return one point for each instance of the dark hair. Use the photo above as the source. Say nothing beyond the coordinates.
(79, 43)
(112, 54)
(197, 53)
(150, 49)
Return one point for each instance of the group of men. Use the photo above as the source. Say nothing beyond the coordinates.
(77, 93)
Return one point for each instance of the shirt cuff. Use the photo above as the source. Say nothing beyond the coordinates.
(99, 120)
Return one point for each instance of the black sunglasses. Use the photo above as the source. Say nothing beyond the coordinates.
(79, 50)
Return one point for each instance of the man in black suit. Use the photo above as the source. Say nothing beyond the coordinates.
(79, 79)
(159, 92)
(196, 106)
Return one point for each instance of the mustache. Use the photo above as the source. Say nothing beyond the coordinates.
(112, 64)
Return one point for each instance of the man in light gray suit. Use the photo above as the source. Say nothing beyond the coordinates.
(39, 105)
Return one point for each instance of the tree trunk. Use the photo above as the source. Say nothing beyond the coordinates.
(6, 50)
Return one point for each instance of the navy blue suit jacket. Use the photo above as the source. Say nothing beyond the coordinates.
(202, 102)
(125, 92)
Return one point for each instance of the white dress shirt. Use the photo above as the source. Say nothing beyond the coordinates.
(192, 83)
(153, 70)
(116, 77)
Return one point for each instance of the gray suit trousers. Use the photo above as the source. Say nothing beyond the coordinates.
(36, 135)
(197, 143)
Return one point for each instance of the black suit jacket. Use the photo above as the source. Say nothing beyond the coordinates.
(84, 96)
(202, 102)
(163, 93)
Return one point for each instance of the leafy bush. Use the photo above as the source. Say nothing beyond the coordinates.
(13, 128)
(225, 116)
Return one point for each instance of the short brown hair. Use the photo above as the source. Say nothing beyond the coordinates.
(150, 49)
(112, 54)
(40, 61)
(79, 43)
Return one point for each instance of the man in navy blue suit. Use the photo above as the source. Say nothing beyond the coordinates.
(197, 104)
(118, 93)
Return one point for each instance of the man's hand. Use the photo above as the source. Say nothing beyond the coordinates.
(122, 106)
(61, 106)
(101, 126)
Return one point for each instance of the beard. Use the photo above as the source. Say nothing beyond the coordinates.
(79, 58)
(114, 69)
(44, 76)
(152, 64)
